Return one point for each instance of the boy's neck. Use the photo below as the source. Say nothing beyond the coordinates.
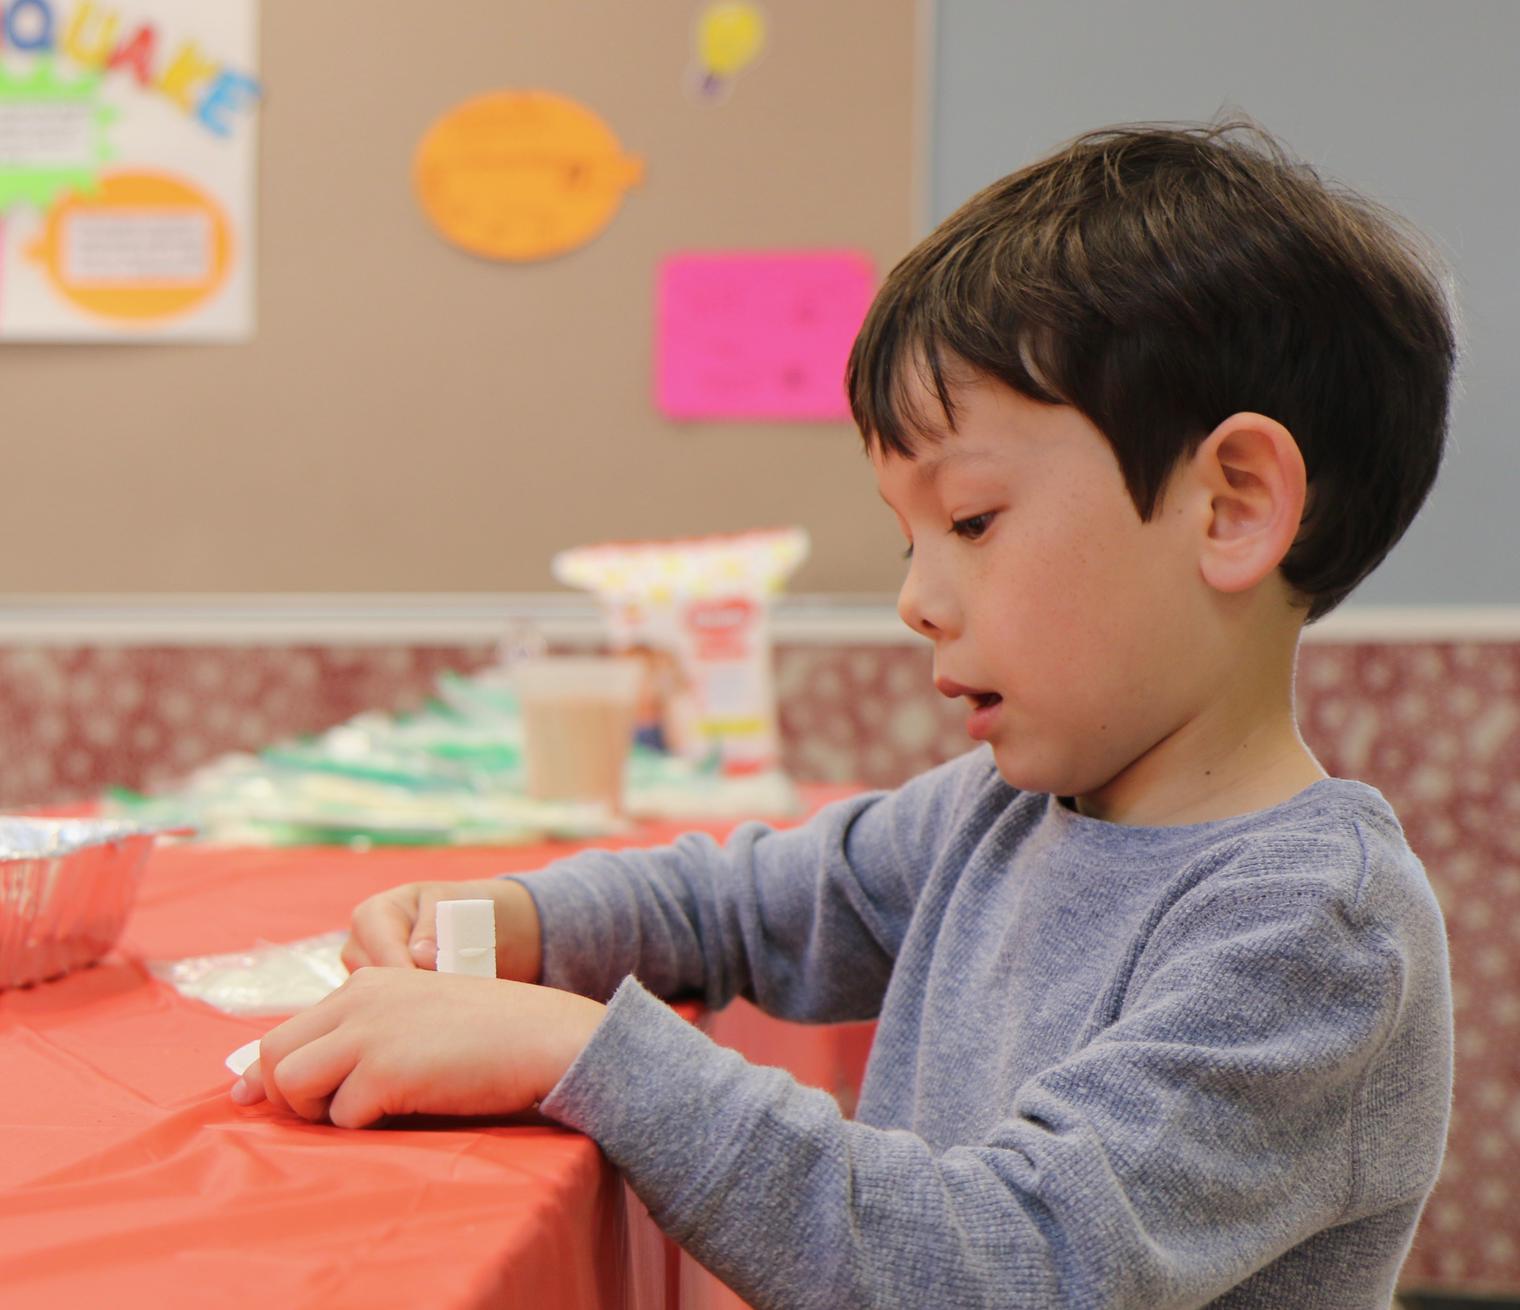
(1235, 755)
(1264, 769)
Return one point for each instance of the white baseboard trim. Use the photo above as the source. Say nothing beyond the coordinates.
(1408, 623)
(471, 618)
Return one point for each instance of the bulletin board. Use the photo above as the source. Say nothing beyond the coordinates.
(127, 169)
(405, 415)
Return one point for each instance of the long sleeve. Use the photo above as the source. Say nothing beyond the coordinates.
(804, 921)
(1215, 1123)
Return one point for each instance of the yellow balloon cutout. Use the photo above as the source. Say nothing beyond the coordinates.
(729, 37)
(522, 175)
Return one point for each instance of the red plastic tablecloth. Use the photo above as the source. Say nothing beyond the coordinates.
(129, 1179)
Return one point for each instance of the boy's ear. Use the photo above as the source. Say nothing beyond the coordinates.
(1252, 472)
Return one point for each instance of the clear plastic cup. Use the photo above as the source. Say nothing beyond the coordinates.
(578, 719)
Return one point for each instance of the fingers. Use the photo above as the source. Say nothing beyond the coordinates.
(280, 1044)
(356, 1104)
(394, 1041)
(380, 929)
(423, 942)
(399, 928)
(305, 1064)
(249, 1089)
(307, 1079)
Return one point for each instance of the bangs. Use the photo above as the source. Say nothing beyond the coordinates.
(929, 332)
(905, 402)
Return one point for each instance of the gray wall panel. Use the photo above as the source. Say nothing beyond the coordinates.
(1415, 103)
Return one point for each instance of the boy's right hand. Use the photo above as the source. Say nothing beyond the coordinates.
(396, 927)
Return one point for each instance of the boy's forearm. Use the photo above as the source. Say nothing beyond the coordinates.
(804, 920)
(599, 916)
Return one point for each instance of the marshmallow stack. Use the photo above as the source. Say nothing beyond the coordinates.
(467, 938)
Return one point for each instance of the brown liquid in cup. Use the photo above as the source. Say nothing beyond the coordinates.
(577, 747)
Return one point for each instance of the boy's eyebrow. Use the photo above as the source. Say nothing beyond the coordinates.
(929, 469)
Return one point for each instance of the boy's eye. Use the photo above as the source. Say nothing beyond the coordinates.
(972, 528)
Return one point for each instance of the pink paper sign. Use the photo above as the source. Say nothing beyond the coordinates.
(759, 335)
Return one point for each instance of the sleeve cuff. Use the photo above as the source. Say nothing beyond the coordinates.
(660, 1098)
(560, 935)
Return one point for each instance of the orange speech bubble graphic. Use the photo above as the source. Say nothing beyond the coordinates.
(522, 175)
(143, 246)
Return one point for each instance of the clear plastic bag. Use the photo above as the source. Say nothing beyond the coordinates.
(270, 978)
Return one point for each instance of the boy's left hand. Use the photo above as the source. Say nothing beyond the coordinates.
(410, 1041)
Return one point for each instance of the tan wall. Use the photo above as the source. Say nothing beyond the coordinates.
(409, 418)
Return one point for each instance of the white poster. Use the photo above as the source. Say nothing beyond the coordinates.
(127, 157)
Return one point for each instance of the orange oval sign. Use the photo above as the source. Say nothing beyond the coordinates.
(522, 175)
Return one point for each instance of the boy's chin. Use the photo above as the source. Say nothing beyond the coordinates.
(1023, 774)
(1025, 771)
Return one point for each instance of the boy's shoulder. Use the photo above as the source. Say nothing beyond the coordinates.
(1338, 842)
(1337, 845)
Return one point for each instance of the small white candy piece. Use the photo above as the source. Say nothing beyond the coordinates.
(467, 938)
(245, 1055)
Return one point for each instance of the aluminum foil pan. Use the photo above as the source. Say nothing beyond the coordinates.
(66, 888)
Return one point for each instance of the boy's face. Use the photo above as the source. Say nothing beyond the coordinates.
(1076, 628)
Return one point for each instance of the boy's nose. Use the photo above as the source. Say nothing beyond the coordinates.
(923, 607)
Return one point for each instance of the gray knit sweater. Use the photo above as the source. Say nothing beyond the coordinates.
(1115, 1066)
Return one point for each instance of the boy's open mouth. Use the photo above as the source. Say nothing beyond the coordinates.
(982, 722)
(979, 699)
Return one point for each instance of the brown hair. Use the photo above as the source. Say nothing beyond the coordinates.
(1161, 277)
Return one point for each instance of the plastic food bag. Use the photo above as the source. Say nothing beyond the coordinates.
(707, 600)
(271, 978)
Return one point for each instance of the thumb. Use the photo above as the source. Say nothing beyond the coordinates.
(423, 943)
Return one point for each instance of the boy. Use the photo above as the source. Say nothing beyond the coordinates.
(1164, 1015)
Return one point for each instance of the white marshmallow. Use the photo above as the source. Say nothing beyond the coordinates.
(467, 938)
(245, 1055)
